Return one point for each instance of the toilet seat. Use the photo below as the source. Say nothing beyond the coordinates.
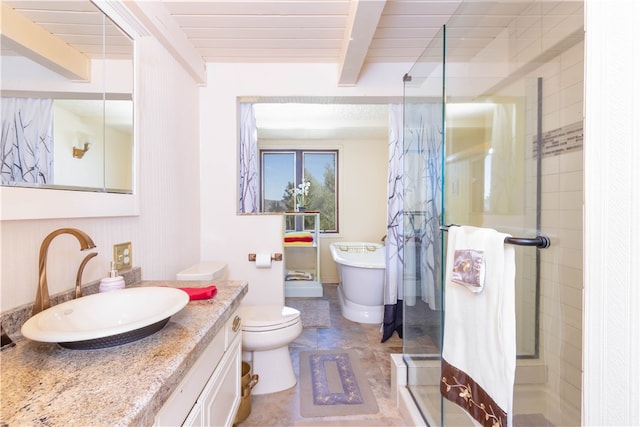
(268, 318)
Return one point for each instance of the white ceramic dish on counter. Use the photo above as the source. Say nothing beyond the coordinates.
(106, 319)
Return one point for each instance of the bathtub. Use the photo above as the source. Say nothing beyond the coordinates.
(361, 267)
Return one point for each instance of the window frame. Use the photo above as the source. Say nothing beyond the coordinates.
(298, 154)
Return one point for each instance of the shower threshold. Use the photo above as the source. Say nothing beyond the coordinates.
(416, 383)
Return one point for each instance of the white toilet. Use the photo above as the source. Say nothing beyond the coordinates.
(267, 331)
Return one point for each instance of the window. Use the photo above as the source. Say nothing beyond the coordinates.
(284, 170)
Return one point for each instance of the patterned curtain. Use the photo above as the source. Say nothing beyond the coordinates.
(27, 141)
(249, 183)
(414, 211)
(394, 243)
(423, 180)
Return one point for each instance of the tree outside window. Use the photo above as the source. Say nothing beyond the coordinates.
(285, 170)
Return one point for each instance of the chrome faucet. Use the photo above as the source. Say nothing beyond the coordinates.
(42, 294)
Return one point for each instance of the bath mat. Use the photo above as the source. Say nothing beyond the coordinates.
(313, 313)
(332, 383)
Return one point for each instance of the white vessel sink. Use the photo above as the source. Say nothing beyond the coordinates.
(106, 319)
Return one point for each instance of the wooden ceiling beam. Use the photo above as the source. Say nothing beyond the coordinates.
(32, 41)
(158, 21)
(361, 26)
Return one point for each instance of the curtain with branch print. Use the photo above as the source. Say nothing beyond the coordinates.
(423, 180)
(394, 243)
(414, 211)
(249, 200)
(27, 141)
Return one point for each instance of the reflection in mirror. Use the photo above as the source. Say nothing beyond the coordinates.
(67, 119)
(485, 143)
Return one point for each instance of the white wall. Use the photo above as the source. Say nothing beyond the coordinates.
(166, 234)
(227, 236)
(70, 130)
(118, 155)
(20, 74)
(611, 347)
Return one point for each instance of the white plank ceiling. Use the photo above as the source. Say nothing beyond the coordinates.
(77, 22)
(349, 33)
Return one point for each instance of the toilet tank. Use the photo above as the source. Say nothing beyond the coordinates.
(209, 270)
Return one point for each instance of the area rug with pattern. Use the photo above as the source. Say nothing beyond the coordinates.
(313, 313)
(333, 383)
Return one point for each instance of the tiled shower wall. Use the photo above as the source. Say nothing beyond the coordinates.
(561, 265)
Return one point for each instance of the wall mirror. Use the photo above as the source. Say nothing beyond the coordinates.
(67, 98)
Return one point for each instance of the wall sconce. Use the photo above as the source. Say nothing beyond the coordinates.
(79, 152)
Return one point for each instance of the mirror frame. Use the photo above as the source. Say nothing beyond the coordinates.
(23, 203)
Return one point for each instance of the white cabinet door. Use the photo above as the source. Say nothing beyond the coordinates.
(220, 399)
(209, 395)
(180, 403)
(195, 417)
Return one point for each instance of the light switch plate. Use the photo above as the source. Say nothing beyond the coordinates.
(122, 256)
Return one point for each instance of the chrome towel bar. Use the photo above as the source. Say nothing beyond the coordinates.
(541, 241)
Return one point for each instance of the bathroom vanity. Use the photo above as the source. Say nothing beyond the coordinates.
(205, 397)
(188, 373)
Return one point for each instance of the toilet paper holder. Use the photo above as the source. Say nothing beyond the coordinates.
(274, 257)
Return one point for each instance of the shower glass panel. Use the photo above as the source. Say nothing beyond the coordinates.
(423, 161)
(509, 86)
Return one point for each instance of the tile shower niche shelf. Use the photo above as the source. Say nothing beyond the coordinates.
(302, 258)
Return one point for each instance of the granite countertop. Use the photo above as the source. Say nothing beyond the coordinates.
(45, 384)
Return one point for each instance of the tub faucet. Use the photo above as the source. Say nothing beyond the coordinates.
(42, 294)
(383, 238)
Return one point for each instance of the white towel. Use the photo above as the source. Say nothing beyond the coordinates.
(479, 345)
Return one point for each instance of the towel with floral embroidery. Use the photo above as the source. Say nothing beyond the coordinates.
(479, 344)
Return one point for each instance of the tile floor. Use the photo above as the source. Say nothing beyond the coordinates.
(283, 408)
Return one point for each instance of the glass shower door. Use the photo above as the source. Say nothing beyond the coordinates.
(423, 161)
(509, 158)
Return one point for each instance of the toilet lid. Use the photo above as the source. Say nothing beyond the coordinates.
(211, 270)
(255, 317)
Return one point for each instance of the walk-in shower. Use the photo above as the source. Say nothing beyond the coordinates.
(493, 138)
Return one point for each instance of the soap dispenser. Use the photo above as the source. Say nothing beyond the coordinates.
(112, 282)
